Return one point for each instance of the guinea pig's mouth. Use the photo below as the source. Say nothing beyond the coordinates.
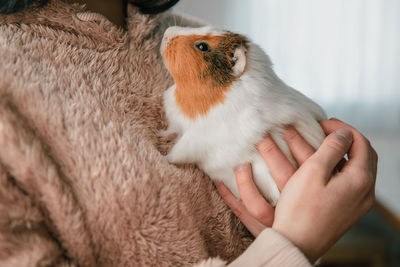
(169, 34)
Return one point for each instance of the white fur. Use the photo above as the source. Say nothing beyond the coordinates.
(258, 103)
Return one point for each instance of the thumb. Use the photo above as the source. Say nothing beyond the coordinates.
(332, 150)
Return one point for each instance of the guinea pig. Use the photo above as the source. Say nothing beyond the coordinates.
(225, 99)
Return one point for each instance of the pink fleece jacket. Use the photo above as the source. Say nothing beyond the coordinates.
(83, 180)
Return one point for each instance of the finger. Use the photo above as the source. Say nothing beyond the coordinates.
(280, 167)
(359, 151)
(332, 150)
(251, 197)
(300, 149)
(252, 224)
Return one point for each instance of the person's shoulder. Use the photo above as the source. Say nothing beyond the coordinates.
(33, 19)
(11, 37)
(15, 34)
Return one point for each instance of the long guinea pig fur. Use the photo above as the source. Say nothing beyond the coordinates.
(225, 99)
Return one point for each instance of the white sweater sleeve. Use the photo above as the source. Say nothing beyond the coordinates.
(269, 249)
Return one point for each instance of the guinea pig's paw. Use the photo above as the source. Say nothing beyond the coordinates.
(172, 158)
(175, 157)
(169, 158)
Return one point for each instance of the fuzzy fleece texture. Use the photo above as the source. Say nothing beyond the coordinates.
(83, 179)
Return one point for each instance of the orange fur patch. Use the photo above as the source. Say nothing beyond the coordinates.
(196, 93)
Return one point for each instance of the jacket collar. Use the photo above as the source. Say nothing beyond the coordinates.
(73, 24)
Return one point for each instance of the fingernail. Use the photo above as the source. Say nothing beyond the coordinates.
(334, 119)
(220, 186)
(345, 133)
(289, 130)
(242, 167)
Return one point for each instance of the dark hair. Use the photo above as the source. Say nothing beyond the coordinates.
(11, 6)
(145, 6)
(153, 6)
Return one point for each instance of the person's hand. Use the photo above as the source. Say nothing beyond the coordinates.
(252, 209)
(316, 207)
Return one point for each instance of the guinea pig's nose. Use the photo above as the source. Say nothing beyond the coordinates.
(172, 31)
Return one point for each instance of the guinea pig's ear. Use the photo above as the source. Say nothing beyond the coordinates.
(239, 61)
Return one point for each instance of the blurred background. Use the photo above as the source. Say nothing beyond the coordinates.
(345, 55)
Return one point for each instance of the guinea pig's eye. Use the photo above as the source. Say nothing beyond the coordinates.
(203, 47)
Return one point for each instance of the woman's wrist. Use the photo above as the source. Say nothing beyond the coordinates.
(271, 248)
(298, 240)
